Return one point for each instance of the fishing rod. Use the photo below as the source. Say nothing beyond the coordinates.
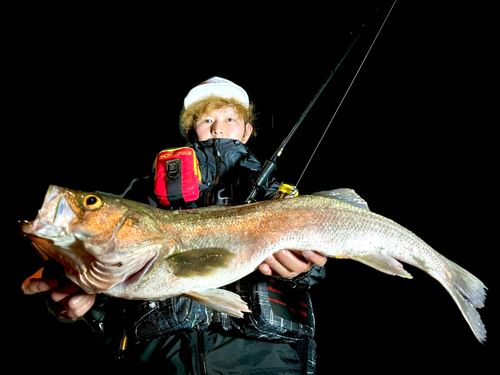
(345, 94)
(270, 164)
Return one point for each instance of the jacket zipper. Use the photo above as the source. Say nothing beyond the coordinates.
(202, 363)
(211, 192)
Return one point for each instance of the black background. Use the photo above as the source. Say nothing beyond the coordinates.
(94, 94)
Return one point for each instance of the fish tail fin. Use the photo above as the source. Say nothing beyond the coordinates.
(469, 293)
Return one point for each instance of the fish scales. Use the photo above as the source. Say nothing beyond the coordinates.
(129, 250)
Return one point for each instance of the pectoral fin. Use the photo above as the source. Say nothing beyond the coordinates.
(384, 264)
(221, 300)
(199, 262)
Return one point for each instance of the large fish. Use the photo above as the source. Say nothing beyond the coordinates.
(134, 251)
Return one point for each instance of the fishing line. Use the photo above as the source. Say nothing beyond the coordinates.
(345, 94)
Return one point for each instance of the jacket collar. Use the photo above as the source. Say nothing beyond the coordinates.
(220, 143)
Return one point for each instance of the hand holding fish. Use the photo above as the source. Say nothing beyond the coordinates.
(289, 264)
(37, 284)
(67, 300)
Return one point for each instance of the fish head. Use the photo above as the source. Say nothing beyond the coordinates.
(101, 240)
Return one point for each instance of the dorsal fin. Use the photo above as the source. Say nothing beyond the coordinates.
(345, 195)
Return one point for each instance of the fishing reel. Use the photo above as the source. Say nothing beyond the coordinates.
(286, 191)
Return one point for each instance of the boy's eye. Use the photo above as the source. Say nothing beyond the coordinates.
(230, 119)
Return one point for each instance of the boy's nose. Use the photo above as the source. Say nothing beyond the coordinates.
(217, 128)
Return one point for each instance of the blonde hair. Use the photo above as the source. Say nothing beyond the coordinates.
(210, 103)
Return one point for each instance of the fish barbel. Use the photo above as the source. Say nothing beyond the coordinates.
(130, 250)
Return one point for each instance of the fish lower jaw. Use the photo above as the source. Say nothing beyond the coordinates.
(51, 247)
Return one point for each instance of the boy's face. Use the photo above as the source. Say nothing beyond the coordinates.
(223, 123)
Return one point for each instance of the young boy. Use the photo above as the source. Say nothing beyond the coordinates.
(179, 335)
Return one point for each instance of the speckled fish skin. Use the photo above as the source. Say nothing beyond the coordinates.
(130, 250)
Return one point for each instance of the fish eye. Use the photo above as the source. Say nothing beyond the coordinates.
(92, 202)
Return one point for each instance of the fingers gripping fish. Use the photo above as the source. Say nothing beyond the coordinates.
(134, 251)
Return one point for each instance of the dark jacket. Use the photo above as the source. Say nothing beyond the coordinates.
(228, 169)
(181, 336)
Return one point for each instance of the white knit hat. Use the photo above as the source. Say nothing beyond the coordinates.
(217, 86)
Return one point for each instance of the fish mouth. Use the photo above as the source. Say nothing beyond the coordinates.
(51, 223)
(53, 216)
(49, 231)
(58, 210)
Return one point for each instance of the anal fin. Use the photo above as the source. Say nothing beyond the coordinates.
(221, 300)
(384, 264)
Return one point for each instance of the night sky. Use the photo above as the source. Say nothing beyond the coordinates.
(92, 99)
